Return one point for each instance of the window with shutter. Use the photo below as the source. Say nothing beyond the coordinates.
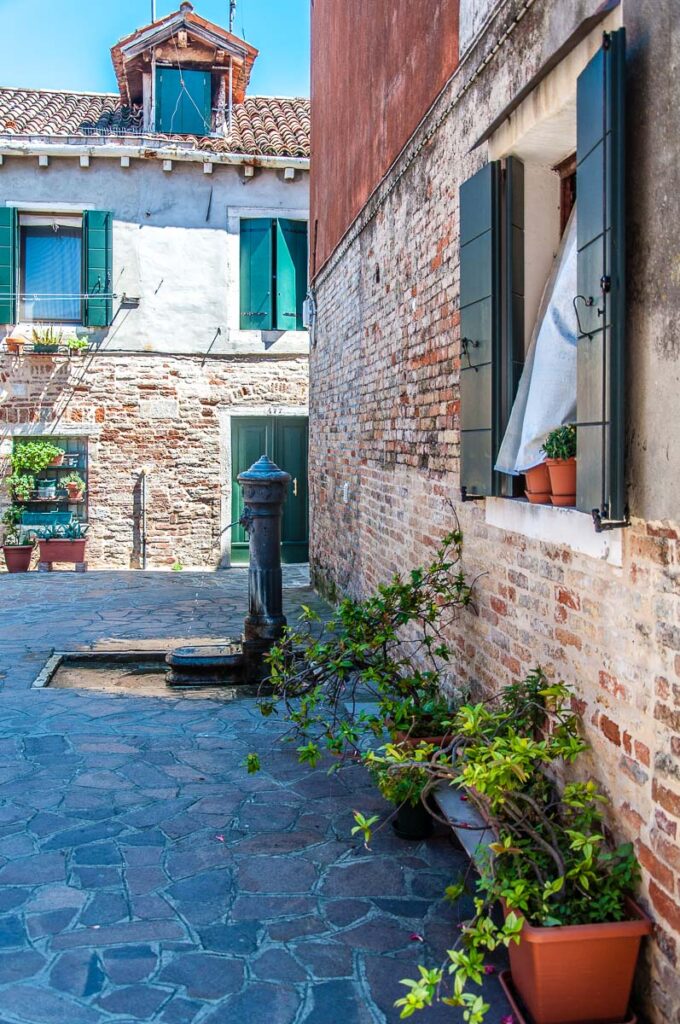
(291, 273)
(97, 268)
(257, 251)
(480, 298)
(183, 101)
(601, 283)
(8, 263)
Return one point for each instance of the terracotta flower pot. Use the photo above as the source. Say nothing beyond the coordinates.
(18, 557)
(58, 459)
(412, 741)
(15, 346)
(578, 973)
(75, 492)
(538, 484)
(562, 481)
(62, 550)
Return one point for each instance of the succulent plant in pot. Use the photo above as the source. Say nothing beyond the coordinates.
(75, 486)
(17, 545)
(46, 340)
(560, 450)
(64, 543)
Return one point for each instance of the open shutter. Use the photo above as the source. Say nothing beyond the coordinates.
(8, 264)
(256, 274)
(291, 273)
(512, 349)
(480, 330)
(600, 303)
(97, 268)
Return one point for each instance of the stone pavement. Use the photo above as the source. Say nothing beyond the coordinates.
(144, 876)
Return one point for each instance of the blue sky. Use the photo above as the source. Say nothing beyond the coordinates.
(64, 44)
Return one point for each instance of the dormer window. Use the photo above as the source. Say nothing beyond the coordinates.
(183, 101)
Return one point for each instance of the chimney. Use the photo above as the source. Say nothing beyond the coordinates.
(186, 7)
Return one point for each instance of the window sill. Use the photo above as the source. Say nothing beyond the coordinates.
(563, 527)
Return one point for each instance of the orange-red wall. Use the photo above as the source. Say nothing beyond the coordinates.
(377, 66)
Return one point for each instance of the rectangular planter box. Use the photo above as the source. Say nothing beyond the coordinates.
(62, 550)
(578, 973)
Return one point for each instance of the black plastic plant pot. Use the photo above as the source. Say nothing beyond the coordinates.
(413, 822)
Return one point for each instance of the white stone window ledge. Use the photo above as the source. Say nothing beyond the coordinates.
(564, 527)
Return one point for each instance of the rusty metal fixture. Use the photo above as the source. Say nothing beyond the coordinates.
(264, 488)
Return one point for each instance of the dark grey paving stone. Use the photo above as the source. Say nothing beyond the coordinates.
(78, 972)
(408, 908)
(37, 870)
(371, 876)
(343, 912)
(283, 931)
(12, 932)
(53, 897)
(258, 1003)
(11, 898)
(181, 1011)
(338, 1000)
(205, 887)
(271, 908)
(277, 965)
(50, 923)
(240, 939)
(43, 1006)
(45, 745)
(97, 853)
(141, 1001)
(127, 964)
(105, 908)
(83, 834)
(132, 931)
(16, 966)
(379, 933)
(205, 975)
(325, 959)
(276, 875)
(96, 877)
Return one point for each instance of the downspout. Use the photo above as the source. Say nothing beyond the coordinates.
(142, 500)
(152, 126)
(231, 93)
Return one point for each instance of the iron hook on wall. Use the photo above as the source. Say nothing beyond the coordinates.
(466, 343)
(590, 301)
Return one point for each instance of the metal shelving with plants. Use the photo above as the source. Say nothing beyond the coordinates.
(50, 475)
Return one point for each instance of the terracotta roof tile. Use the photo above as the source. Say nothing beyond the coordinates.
(261, 125)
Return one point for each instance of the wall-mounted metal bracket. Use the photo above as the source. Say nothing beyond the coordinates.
(589, 302)
(601, 523)
(466, 345)
(464, 496)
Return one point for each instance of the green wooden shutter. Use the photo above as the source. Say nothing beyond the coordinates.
(9, 237)
(183, 101)
(512, 354)
(291, 273)
(257, 248)
(600, 176)
(97, 268)
(480, 330)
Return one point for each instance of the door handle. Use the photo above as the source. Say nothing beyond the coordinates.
(295, 487)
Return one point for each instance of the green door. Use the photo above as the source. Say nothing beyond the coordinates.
(284, 439)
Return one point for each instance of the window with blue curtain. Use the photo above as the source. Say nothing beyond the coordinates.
(51, 272)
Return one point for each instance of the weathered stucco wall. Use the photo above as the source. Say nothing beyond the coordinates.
(174, 245)
(385, 449)
(387, 61)
(164, 413)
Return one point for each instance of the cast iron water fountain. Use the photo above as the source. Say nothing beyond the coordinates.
(264, 488)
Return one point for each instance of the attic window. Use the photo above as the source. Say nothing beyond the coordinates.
(183, 101)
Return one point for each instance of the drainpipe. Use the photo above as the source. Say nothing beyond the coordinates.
(142, 501)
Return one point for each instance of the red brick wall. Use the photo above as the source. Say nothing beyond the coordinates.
(164, 413)
(384, 436)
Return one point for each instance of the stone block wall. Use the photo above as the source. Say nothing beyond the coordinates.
(384, 475)
(163, 413)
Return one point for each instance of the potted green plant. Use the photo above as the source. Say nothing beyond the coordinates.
(426, 721)
(560, 450)
(64, 543)
(34, 455)
(46, 340)
(75, 486)
(75, 345)
(17, 546)
(377, 664)
(402, 781)
(21, 486)
(571, 928)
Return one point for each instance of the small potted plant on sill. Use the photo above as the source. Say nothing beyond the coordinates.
(35, 455)
(572, 930)
(75, 486)
(402, 781)
(76, 346)
(64, 543)
(21, 486)
(17, 546)
(560, 450)
(15, 345)
(46, 340)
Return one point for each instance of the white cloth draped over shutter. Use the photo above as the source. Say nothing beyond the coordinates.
(546, 395)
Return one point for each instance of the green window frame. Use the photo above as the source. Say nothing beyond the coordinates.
(95, 290)
(492, 301)
(273, 273)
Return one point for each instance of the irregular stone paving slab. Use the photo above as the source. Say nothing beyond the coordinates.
(145, 876)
